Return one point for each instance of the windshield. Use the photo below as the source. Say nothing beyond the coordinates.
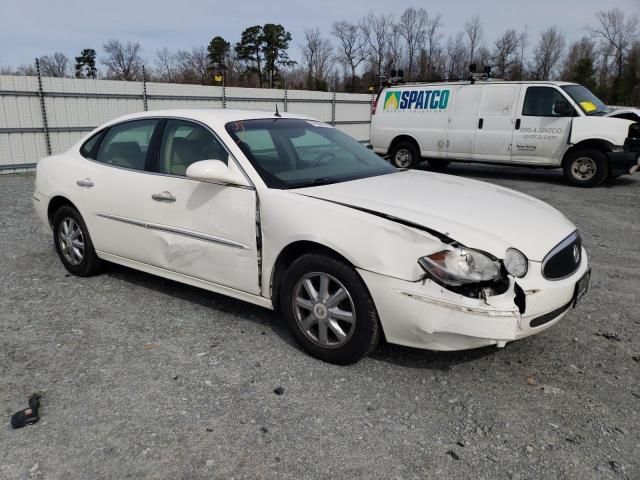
(291, 152)
(588, 102)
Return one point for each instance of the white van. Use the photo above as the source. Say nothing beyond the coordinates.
(538, 124)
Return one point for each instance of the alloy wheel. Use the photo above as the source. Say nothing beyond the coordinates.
(324, 310)
(71, 241)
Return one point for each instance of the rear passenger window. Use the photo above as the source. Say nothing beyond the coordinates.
(89, 149)
(540, 102)
(127, 144)
(184, 143)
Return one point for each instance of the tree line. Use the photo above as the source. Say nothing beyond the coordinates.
(354, 55)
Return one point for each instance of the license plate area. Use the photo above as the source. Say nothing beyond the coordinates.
(581, 287)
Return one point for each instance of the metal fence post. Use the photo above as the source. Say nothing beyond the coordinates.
(144, 89)
(43, 110)
(224, 91)
(286, 86)
(333, 103)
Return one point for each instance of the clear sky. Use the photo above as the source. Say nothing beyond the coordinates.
(30, 28)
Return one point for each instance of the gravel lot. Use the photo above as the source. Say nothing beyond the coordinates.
(146, 378)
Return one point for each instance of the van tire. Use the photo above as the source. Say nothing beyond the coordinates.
(405, 154)
(438, 163)
(586, 167)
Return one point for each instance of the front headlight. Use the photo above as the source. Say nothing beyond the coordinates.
(460, 266)
(516, 263)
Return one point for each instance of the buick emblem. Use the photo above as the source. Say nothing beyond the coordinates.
(576, 253)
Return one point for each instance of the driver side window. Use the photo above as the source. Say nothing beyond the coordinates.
(184, 143)
(545, 102)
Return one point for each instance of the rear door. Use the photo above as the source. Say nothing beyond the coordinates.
(463, 122)
(496, 119)
(542, 126)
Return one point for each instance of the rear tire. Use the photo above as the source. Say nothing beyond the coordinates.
(405, 155)
(438, 163)
(73, 243)
(586, 167)
(328, 309)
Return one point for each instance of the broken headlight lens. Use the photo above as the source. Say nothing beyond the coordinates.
(460, 266)
(516, 262)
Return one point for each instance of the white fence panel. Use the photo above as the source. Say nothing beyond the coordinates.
(73, 107)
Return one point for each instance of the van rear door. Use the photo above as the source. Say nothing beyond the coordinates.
(496, 119)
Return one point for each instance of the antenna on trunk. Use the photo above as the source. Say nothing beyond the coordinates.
(277, 112)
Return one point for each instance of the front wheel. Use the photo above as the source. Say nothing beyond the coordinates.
(586, 167)
(73, 243)
(328, 309)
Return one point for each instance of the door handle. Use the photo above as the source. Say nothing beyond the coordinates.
(163, 197)
(85, 183)
(480, 123)
(518, 124)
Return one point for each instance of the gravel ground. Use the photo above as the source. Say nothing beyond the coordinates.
(146, 378)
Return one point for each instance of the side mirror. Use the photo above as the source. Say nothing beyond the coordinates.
(216, 171)
(564, 109)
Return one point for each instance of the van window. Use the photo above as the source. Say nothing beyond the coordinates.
(540, 102)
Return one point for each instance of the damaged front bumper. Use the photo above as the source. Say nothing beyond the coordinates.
(627, 160)
(426, 315)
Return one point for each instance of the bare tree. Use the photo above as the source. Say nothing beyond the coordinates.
(505, 51)
(166, 65)
(412, 26)
(394, 51)
(351, 48)
(474, 32)
(547, 54)
(456, 57)
(56, 65)
(123, 61)
(376, 31)
(318, 55)
(433, 37)
(617, 30)
(193, 65)
(579, 64)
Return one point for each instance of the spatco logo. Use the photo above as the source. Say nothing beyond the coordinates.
(417, 100)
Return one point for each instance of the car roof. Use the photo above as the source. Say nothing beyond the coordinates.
(216, 117)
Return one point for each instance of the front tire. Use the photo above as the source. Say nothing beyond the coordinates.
(586, 167)
(73, 243)
(405, 155)
(328, 309)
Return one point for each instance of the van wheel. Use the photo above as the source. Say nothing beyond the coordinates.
(328, 309)
(405, 155)
(438, 163)
(586, 167)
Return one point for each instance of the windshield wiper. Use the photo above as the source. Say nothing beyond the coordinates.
(317, 181)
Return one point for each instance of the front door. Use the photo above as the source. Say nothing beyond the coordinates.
(542, 126)
(200, 229)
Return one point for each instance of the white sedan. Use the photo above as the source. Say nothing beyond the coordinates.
(288, 213)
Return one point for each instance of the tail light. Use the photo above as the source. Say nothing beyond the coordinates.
(374, 104)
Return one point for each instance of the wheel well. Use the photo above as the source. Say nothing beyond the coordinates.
(54, 204)
(404, 138)
(601, 145)
(291, 253)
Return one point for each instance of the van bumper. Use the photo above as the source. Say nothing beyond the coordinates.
(626, 161)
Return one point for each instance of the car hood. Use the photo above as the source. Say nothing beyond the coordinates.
(477, 214)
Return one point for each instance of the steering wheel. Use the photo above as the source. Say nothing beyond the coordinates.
(319, 158)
